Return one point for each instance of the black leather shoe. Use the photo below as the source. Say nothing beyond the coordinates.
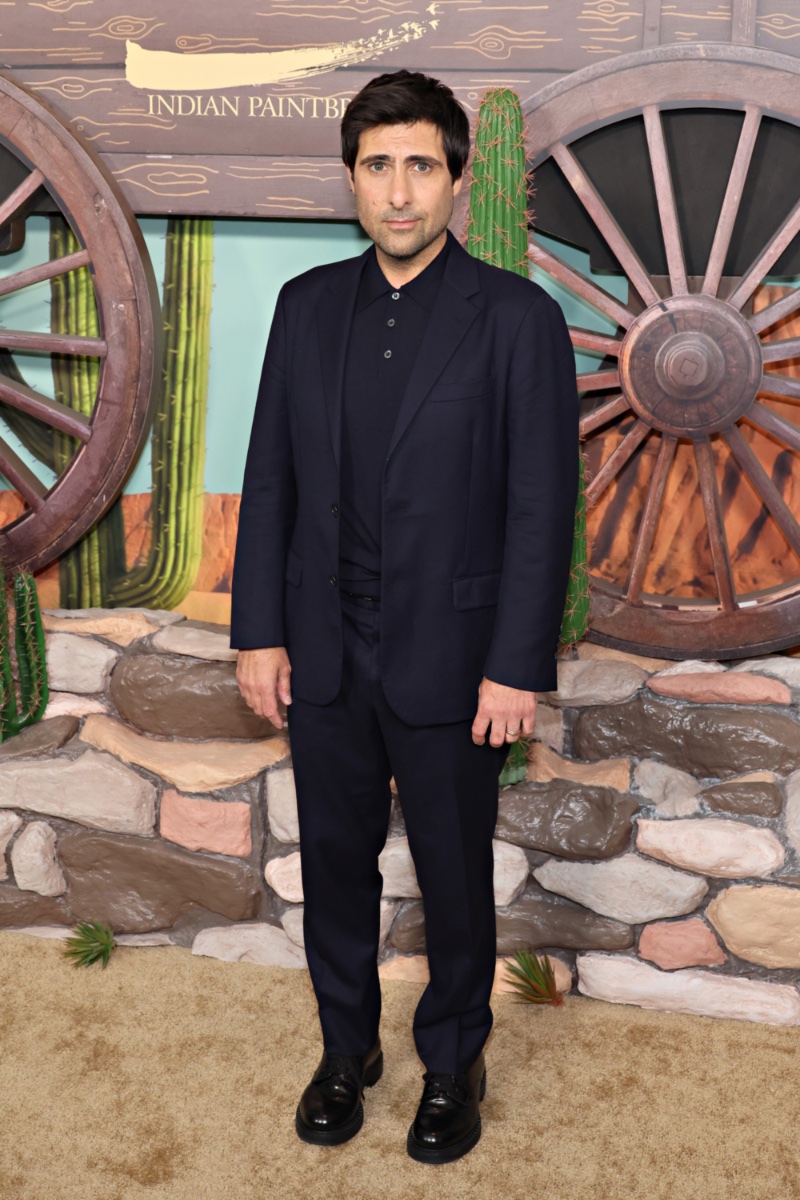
(448, 1120)
(331, 1109)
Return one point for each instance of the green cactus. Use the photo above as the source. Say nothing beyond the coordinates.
(497, 232)
(30, 655)
(178, 454)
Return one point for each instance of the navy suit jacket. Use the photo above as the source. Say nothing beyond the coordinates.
(479, 490)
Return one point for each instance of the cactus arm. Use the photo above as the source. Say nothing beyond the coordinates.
(8, 707)
(31, 656)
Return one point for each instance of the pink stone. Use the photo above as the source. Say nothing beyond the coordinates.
(671, 944)
(711, 687)
(206, 824)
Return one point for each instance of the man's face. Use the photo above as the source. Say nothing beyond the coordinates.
(403, 190)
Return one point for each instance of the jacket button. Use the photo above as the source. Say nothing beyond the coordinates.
(335, 509)
(334, 581)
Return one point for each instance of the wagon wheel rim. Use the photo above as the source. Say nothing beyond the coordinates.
(111, 247)
(690, 365)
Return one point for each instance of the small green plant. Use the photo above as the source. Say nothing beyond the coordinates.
(92, 942)
(15, 713)
(534, 979)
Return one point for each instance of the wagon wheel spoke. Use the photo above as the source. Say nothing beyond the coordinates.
(597, 209)
(580, 285)
(780, 385)
(785, 307)
(649, 522)
(616, 461)
(598, 381)
(665, 195)
(781, 351)
(52, 343)
(587, 339)
(51, 412)
(717, 538)
(13, 203)
(603, 414)
(773, 500)
(767, 259)
(732, 201)
(47, 270)
(764, 418)
(21, 477)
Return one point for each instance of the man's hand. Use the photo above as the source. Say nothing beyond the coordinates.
(504, 708)
(263, 679)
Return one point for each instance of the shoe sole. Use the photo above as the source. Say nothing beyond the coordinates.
(447, 1153)
(335, 1137)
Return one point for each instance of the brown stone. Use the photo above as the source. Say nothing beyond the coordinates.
(674, 944)
(173, 697)
(748, 799)
(568, 819)
(408, 932)
(708, 740)
(42, 738)
(122, 628)
(722, 687)
(533, 922)
(137, 884)
(18, 908)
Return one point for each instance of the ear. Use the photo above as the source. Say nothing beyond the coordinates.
(457, 185)
(350, 179)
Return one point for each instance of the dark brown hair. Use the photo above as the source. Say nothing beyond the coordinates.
(401, 98)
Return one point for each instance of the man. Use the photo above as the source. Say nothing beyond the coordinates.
(403, 555)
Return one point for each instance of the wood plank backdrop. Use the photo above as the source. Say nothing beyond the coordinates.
(233, 109)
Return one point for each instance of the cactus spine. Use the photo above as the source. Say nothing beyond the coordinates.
(497, 232)
(178, 453)
(30, 655)
(87, 569)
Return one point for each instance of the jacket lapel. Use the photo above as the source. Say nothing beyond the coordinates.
(334, 320)
(453, 314)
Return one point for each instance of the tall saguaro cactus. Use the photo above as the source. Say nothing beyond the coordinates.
(178, 449)
(30, 655)
(497, 232)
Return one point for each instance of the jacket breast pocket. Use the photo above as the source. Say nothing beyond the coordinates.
(294, 568)
(476, 591)
(462, 389)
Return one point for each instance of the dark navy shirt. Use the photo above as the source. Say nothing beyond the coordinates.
(388, 324)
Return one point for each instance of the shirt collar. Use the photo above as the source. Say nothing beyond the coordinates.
(422, 288)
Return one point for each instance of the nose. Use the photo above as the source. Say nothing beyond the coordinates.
(400, 193)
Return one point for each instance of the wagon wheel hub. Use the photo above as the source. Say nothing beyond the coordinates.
(690, 366)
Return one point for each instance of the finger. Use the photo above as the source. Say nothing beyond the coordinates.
(479, 727)
(528, 724)
(498, 735)
(284, 689)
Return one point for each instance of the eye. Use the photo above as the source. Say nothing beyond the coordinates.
(423, 167)
(377, 167)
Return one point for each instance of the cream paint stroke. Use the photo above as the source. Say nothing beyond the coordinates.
(172, 71)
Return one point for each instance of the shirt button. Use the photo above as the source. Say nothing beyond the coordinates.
(334, 581)
(390, 322)
(387, 354)
(335, 509)
(395, 295)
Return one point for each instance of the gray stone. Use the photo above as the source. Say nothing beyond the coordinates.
(691, 666)
(793, 809)
(590, 682)
(78, 664)
(292, 921)
(94, 790)
(172, 697)
(624, 980)
(194, 642)
(711, 741)
(44, 737)
(137, 885)
(68, 704)
(9, 824)
(34, 863)
(571, 820)
(284, 877)
(713, 846)
(627, 888)
(282, 804)
(158, 616)
(673, 792)
(254, 943)
(778, 665)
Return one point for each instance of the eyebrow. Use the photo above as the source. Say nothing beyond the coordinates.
(410, 158)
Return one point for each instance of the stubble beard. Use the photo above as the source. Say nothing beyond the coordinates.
(406, 246)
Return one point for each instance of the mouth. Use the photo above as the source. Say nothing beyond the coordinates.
(408, 223)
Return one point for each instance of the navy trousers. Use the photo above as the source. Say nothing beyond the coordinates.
(344, 754)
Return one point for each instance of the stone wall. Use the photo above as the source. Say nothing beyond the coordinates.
(652, 850)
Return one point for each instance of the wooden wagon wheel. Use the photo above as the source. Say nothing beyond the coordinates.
(690, 364)
(112, 247)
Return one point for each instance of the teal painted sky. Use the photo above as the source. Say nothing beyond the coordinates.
(252, 259)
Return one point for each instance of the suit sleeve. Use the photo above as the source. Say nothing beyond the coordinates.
(268, 506)
(543, 450)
